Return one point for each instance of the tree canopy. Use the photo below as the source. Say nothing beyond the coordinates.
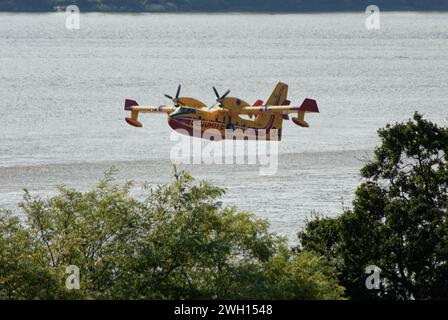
(399, 218)
(177, 243)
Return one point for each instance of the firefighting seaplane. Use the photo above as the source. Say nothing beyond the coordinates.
(228, 113)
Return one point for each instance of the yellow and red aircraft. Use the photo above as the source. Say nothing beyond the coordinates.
(227, 113)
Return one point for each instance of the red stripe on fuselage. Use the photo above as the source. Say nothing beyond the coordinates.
(187, 125)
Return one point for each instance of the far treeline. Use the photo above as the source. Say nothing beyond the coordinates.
(221, 5)
(180, 242)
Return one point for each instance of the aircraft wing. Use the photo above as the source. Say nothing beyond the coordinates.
(131, 105)
(135, 108)
(308, 105)
(143, 109)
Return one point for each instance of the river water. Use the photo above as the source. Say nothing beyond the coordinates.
(62, 94)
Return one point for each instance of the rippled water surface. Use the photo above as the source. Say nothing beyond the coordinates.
(62, 93)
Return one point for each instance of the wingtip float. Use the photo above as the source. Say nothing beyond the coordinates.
(226, 113)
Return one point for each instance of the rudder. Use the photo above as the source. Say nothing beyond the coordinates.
(279, 95)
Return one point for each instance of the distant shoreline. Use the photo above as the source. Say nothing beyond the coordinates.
(231, 11)
(221, 6)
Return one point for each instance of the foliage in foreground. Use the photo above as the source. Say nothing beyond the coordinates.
(179, 243)
(399, 218)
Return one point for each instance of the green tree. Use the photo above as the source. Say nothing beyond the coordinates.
(20, 276)
(399, 218)
(178, 243)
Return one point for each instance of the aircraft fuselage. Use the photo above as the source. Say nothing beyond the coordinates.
(206, 123)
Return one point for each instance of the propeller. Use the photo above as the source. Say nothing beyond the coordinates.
(219, 99)
(176, 98)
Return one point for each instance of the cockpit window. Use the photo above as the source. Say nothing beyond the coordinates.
(183, 110)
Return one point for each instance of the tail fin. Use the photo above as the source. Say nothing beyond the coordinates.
(279, 95)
